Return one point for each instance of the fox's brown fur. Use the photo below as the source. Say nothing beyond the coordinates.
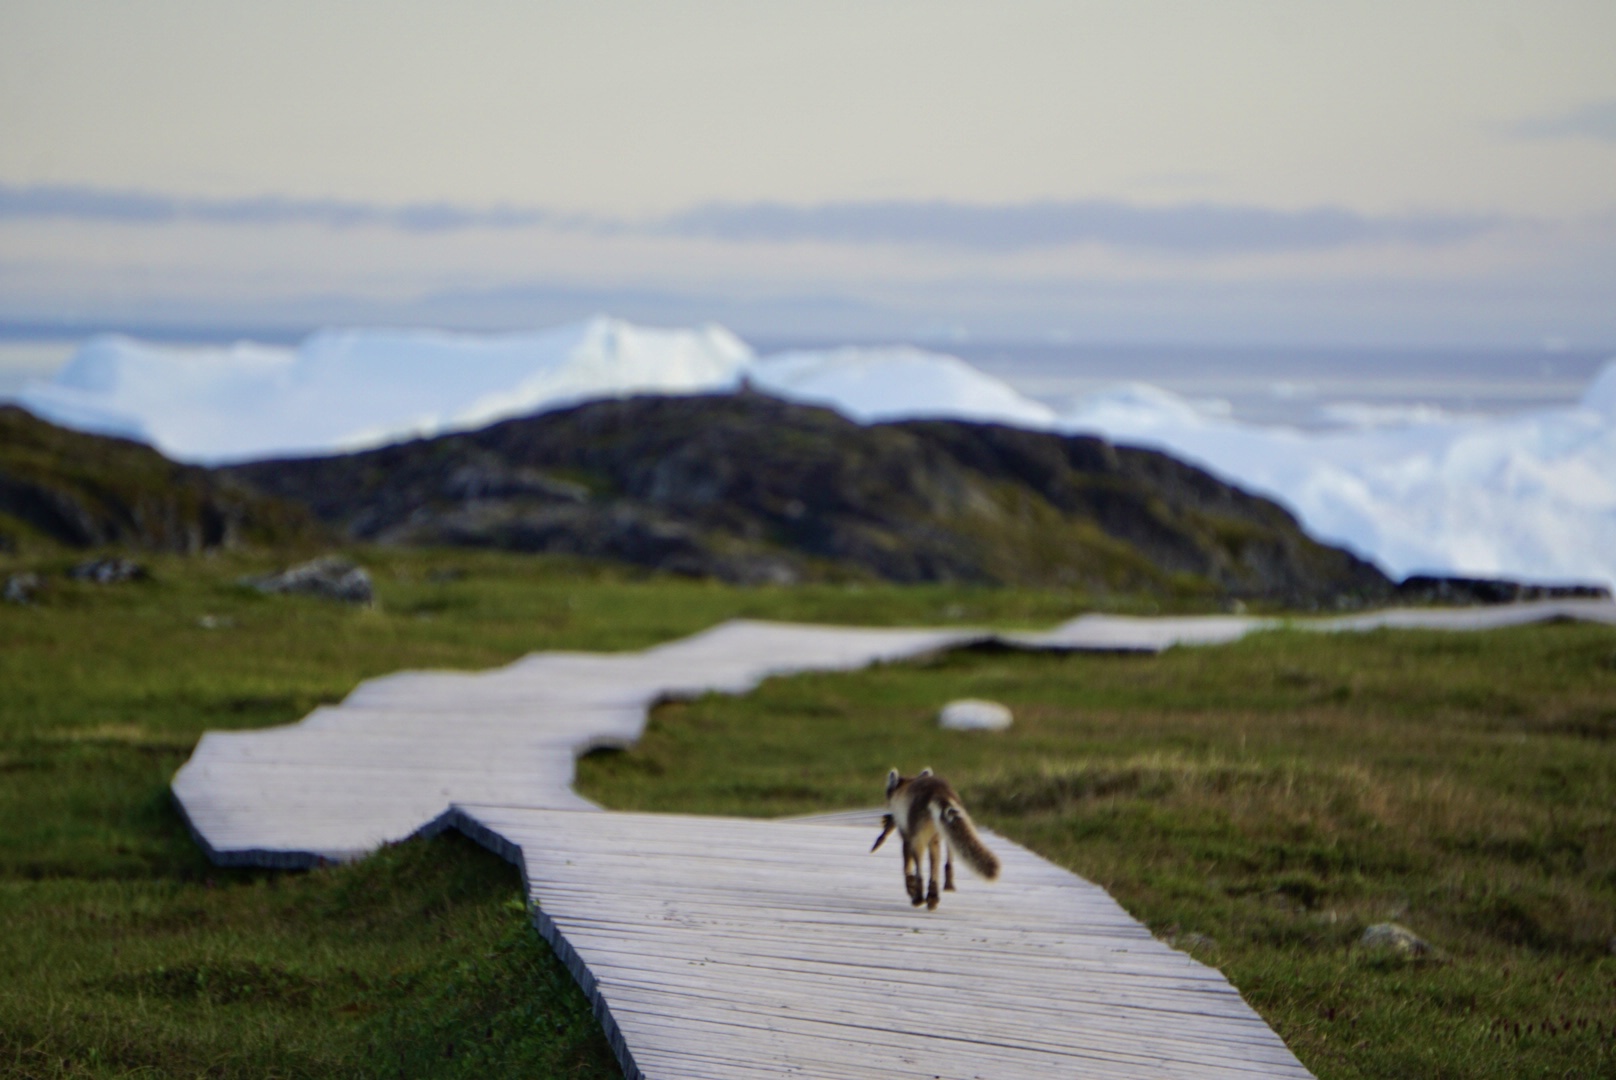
(926, 811)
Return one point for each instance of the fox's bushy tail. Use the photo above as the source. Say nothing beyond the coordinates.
(962, 837)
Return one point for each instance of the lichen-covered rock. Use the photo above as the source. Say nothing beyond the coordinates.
(973, 714)
(1395, 938)
(331, 578)
(20, 588)
(108, 571)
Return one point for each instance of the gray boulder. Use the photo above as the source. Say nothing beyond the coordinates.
(108, 571)
(1394, 938)
(20, 588)
(330, 578)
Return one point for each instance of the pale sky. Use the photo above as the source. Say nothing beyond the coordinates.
(1407, 171)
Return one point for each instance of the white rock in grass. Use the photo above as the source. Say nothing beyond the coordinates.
(971, 714)
(331, 577)
(1399, 939)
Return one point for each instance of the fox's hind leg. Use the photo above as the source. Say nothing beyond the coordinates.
(931, 891)
(948, 868)
(911, 873)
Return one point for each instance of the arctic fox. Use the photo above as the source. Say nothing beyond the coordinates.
(926, 811)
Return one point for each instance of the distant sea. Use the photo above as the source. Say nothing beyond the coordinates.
(1311, 388)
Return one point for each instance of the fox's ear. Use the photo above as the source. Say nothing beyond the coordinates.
(892, 781)
(926, 771)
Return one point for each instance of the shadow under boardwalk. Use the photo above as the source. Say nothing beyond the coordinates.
(721, 947)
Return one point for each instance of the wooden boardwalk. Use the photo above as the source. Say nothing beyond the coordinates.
(720, 948)
(403, 748)
(717, 948)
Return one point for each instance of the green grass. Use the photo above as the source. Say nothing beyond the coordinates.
(1259, 803)
(416, 962)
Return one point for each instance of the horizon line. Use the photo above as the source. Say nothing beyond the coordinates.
(61, 332)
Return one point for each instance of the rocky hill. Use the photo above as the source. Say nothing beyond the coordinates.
(82, 491)
(752, 489)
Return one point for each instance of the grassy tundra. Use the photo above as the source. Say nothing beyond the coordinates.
(1258, 803)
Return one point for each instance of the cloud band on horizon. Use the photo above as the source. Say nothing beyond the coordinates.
(1191, 229)
(1187, 229)
(133, 207)
(1590, 120)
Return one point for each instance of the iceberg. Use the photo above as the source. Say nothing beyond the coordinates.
(1531, 497)
(872, 385)
(352, 389)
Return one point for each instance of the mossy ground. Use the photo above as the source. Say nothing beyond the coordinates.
(1272, 797)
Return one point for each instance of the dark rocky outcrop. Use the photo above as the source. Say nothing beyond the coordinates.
(749, 488)
(741, 487)
(87, 491)
(1456, 591)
